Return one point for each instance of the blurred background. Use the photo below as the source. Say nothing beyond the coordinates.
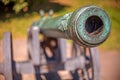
(17, 16)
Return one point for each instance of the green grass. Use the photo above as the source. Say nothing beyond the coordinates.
(113, 42)
(19, 25)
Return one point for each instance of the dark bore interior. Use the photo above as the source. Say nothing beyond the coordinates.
(94, 25)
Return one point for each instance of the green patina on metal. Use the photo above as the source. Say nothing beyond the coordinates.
(86, 13)
(88, 26)
(40, 22)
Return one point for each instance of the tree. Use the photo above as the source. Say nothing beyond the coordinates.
(18, 4)
(21, 4)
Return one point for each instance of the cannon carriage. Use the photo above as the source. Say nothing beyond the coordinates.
(87, 27)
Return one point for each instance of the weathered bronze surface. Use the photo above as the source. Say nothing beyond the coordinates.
(88, 26)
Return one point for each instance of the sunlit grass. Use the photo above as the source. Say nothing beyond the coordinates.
(18, 25)
(113, 42)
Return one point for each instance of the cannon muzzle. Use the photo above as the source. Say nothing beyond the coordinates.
(88, 26)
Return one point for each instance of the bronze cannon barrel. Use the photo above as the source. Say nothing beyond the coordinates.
(88, 26)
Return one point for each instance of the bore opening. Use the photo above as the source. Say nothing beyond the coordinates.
(94, 25)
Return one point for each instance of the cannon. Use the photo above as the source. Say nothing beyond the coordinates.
(87, 28)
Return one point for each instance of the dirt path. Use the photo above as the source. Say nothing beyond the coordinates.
(110, 65)
(110, 60)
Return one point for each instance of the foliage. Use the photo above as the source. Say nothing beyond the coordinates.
(21, 4)
(18, 4)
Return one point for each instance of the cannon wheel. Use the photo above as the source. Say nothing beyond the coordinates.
(7, 58)
(34, 45)
(91, 67)
(95, 63)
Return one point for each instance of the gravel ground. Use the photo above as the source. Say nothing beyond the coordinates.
(110, 60)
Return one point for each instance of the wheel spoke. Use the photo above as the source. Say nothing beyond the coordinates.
(90, 71)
